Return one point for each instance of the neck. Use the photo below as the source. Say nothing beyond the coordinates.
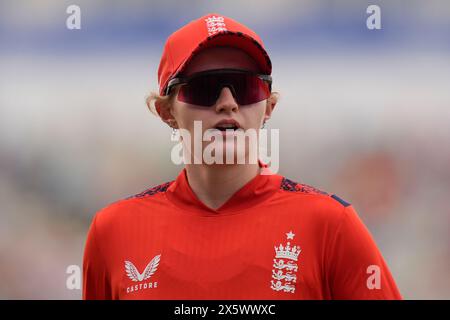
(215, 184)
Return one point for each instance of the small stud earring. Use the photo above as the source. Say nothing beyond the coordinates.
(175, 135)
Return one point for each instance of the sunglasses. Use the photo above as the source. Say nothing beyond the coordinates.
(203, 88)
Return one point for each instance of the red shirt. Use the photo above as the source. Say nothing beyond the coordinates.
(273, 239)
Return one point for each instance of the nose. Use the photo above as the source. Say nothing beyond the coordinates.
(226, 101)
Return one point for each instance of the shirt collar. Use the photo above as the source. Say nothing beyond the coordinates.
(253, 192)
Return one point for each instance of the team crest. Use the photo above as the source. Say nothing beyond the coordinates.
(215, 24)
(284, 272)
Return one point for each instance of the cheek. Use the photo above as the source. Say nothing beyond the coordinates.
(254, 114)
(186, 115)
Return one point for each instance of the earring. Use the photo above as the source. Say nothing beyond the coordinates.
(175, 135)
(263, 125)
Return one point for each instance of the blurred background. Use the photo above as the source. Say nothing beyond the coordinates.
(363, 113)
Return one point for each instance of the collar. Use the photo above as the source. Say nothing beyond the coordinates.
(260, 188)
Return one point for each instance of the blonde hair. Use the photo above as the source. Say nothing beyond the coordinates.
(156, 101)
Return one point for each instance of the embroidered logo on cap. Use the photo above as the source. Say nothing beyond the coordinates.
(215, 24)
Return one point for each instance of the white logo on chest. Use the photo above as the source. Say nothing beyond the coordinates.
(135, 276)
(284, 266)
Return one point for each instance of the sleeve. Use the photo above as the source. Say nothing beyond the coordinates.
(96, 285)
(356, 268)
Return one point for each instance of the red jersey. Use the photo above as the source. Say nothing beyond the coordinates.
(273, 239)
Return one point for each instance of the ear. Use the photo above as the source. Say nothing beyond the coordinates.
(165, 112)
(271, 102)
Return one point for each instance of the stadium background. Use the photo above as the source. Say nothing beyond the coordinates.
(363, 114)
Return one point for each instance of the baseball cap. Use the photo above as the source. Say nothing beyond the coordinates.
(210, 30)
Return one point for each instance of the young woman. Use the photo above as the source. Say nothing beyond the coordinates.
(223, 229)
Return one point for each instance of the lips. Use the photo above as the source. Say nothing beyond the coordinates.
(227, 124)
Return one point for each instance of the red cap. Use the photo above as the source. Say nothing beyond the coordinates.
(207, 31)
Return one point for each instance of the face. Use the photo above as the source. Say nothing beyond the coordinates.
(248, 116)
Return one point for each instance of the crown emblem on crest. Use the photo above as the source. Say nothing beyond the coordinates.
(287, 252)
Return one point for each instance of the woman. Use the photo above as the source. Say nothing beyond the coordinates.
(223, 229)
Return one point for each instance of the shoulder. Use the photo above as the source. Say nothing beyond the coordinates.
(322, 203)
(305, 189)
(132, 205)
(154, 190)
